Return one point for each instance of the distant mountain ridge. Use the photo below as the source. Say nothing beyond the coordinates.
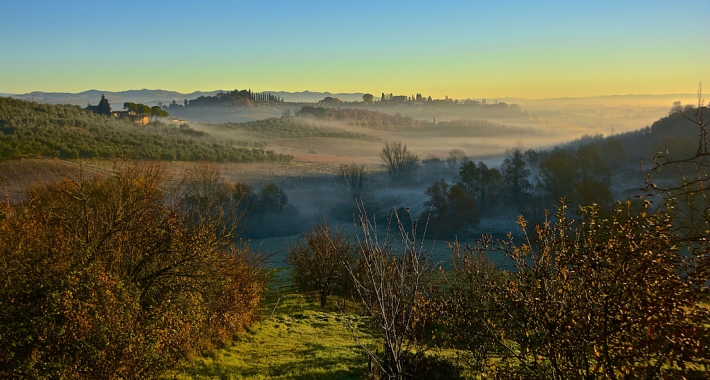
(312, 97)
(153, 97)
(145, 96)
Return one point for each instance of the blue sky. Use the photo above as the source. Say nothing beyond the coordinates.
(455, 48)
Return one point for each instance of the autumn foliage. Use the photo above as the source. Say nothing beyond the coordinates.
(591, 298)
(112, 277)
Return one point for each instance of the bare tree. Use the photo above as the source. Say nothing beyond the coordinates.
(353, 180)
(399, 161)
(392, 288)
(456, 158)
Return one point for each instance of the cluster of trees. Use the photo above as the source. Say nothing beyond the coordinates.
(243, 98)
(494, 109)
(453, 208)
(292, 128)
(269, 213)
(155, 112)
(30, 129)
(477, 188)
(582, 176)
(330, 100)
(361, 117)
(617, 292)
(121, 277)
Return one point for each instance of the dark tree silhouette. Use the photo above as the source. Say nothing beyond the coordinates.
(398, 161)
(104, 108)
(515, 176)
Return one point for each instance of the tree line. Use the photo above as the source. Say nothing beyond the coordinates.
(361, 117)
(527, 182)
(244, 98)
(154, 113)
(292, 128)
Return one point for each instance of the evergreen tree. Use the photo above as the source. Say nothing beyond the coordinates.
(515, 176)
(104, 108)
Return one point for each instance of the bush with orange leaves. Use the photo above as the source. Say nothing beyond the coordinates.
(116, 277)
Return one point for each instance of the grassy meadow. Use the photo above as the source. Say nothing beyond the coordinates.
(295, 339)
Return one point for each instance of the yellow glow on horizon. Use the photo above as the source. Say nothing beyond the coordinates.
(532, 76)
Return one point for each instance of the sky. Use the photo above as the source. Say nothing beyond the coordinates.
(460, 49)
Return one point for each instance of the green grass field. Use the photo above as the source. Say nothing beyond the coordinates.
(295, 339)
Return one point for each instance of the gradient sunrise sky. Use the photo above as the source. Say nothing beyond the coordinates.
(460, 49)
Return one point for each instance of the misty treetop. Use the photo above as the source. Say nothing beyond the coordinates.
(361, 117)
(477, 127)
(66, 131)
(292, 128)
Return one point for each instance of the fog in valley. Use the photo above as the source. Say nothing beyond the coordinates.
(465, 144)
(443, 140)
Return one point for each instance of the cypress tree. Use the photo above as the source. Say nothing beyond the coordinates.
(104, 108)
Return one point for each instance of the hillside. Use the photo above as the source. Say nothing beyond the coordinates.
(277, 128)
(361, 117)
(677, 133)
(32, 129)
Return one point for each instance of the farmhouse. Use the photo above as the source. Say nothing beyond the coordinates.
(132, 116)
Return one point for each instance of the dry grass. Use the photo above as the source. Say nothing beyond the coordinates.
(331, 149)
(16, 176)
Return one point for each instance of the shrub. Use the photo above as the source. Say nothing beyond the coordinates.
(107, 278)
(319, 261)
(596, 298)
